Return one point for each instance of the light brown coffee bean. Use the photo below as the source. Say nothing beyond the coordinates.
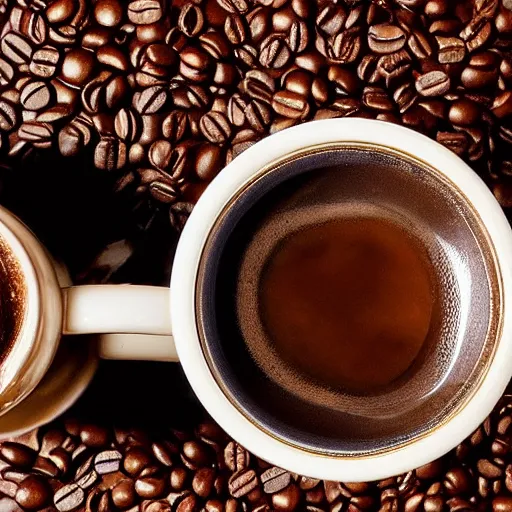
(35, 95)
(144, 12)
(386, 38)
(44, 62)
(290, 104)
(275, 480)
(434, 83)
(242, 483)
(451, 49)
(16, 48)
(110, 154)
(274, 52)
(150, 100)
(68, 498)
(215, 127)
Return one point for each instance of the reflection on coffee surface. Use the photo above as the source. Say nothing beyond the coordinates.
(347, 302)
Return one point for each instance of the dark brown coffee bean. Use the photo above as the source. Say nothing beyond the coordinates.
(234, 28)
(202, 483)
(331, 19)
(275, 480)
(298, 36)
(154, 486)
(464, 112)
(419, 45)
(208, 161)
(110, 154)
(345, 80)
(112, 57)
(144, 12)
(502, 504)
(8, 120)
(216, 45)
(44, 62)
(135, 460)
(108, 13)
(236, 110)
(68, 498)
(482, 71)
(236, 457)
(476, 33)
(434, 83)
(127, 125)
(215, 127)
(123, 494)
(451, 50)
(16, 48)
(35, 95)
(502, 106)
(386, 38)
(33, 493)
(290, 104)
(247, 54)
(39, 134)
(191, 19)
(258, 115)
(77, 67)
(150, 100)
(287, 500)
(457, 481)
(234, 6)
(274, 52)
(377, 98)
(160, 154)
(174, 126)
(456, 142)
(345, 47)
(74, 137)
(178, 478)
(242, 483)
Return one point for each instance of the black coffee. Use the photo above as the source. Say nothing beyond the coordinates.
(348, 297)
(347, 302)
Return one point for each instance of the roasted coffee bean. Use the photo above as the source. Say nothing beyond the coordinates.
(482, 71)
(110, 154)
(160, 154)
(377, 98)
(35, 95)
(68, 498)
(8, 120)
(174, 126)
(346, 46)
(136, 459)
(456, 142)
(464, 112)
(191, 19)
(234, 28)
(274, 52)
(234, 6)
(144, 12)
(331, 19)
(16, 48)
(208, 161)
(275, 480)
(155, 486)
(107, 462)
(242, 483)
(127, 125)
(286, 500)
(451, 50)
(236, 457)
(290, 104)
(150, 100)
(77, 67)
(108, 13)
(215, 127)
(434, 83)
(386, 38)
(258, 115)
(44, 62)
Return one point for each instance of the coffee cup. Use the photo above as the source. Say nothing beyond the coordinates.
(275, 400)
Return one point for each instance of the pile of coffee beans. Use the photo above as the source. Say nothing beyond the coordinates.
(162, 94)
(70, 466)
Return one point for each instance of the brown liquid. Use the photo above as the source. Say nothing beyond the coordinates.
(348, 302)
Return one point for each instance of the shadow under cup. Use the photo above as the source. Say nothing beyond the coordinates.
(355, 179)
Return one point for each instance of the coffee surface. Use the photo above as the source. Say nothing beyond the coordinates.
(348, 302)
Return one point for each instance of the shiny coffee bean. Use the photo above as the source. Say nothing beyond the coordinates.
(77, 67)
(35, 95)
(434, 83)
(144, 12)
(386, 38)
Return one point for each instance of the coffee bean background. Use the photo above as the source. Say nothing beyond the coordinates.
(114, 117)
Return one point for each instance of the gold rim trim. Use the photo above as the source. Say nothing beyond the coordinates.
(494, 332)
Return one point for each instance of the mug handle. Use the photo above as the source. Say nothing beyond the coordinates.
(132, 321)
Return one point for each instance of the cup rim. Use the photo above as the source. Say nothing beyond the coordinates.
(186, 266)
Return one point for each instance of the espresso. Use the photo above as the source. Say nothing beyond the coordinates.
(347, 302)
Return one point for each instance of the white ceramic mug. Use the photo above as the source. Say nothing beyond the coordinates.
(54, 308)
